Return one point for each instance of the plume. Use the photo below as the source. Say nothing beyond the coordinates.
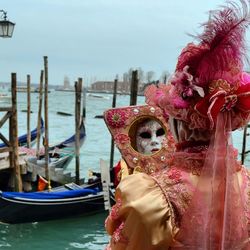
(221, 44)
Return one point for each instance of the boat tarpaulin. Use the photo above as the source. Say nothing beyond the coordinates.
(50, 195)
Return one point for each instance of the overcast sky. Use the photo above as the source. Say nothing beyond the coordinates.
(97, 39)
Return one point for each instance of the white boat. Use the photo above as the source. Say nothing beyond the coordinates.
(98, 96)
(5, 97)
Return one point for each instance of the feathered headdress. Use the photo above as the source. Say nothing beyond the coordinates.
(221, 44)
(209, 76)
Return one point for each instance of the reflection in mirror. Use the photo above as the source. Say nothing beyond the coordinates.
(149, 136)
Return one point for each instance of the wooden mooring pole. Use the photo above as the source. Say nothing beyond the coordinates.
(134, 87)
(39, 117)
(28, 112)
(78, 93)
(111, 163)
(46, 122)
(84, 94)
(243, 152)
(14, 136)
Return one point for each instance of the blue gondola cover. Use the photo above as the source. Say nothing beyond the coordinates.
(50, 195)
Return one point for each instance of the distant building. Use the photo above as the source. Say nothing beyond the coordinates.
(66, 86)
(66, 83)
(108, 87)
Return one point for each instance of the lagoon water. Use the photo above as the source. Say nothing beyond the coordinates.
(75, 233)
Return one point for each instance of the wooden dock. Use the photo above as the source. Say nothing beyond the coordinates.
(5, 160)
(15, 172)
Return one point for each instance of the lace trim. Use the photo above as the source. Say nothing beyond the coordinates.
(189, 161)
(114, 214)
(175, 189)
(175, 181)
(119, 236)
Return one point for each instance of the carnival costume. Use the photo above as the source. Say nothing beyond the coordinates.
(201, 199)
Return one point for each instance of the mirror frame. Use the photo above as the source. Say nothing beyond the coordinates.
(120, 121)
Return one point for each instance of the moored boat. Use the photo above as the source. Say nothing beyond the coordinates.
(23, 139)
(60, 155)
(60, 203)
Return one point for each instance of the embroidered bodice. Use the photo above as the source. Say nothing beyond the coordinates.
(179, 180)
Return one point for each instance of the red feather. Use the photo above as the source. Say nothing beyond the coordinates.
(221, 44)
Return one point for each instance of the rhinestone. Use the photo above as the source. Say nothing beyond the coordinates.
(152, 109)
(163, 158)
(136, 111)
(135, 160)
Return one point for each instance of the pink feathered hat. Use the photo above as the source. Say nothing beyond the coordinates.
(209, 76)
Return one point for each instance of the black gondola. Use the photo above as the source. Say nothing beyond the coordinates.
(23, 139)
(18, 207)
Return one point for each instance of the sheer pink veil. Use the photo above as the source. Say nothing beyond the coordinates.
(215, 219)
(209, 91)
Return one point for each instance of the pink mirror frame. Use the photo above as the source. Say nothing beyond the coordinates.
(121, 121)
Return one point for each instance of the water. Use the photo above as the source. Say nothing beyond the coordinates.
(98, 140)
(68, 234)
(87, 232)
(77, 233)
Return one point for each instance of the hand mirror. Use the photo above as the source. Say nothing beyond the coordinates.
(142, 136)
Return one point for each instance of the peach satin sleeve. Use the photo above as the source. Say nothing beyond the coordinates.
(142, 218)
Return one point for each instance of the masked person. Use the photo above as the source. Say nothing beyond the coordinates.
(202, 200)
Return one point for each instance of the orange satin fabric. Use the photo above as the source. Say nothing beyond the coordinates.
(147, 216)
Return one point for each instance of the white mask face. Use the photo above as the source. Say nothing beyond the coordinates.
(149, 137)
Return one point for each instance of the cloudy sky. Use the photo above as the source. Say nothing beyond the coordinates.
(97, 39)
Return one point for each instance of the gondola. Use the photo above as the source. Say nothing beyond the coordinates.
(67, 201)
(23, 139)
(60, 202)
(60, 155)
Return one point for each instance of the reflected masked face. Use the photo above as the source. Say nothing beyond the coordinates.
(149, 137)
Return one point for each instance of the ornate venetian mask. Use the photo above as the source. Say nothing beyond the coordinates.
(149, 137)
